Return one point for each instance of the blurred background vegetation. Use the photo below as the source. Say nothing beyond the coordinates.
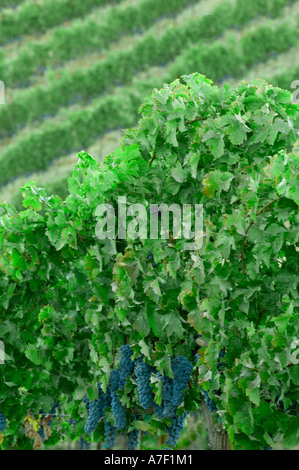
(75, 73)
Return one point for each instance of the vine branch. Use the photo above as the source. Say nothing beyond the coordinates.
(261, 313)
(217, 435)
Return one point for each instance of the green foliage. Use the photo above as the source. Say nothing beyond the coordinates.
(31, 17)
(102, 30)
(69, 301)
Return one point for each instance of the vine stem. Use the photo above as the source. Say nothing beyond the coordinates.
(141, 440)
(152, 159)
(260, 316)
(24, 328)
(247, 230)
(218, 437)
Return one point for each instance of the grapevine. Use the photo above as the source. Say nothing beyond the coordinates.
(147, 329)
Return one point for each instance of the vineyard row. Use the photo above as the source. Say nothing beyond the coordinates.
(34, 151)
(73, 42)
(31, 17)
(119, 67)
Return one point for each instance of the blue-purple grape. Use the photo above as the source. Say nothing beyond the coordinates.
(182, 369)
(110, 433)
(95, 412)
(143, 372)
(126, 365)
(133, 439)
(118, 411)
(174, 431)
(169, 407)
(3, 422)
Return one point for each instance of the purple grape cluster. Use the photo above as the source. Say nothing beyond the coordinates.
(174, 431)
(110, 433)
(117, 408)
(167, 409)
(182, 369)
(95, 411)
(114, 380)
(158, 410)
(133, 439)
(172, 397)
(168, 404)
(110, 430)
(173, 389)
(3, 422)
(126, 365)
(87, 402)
(118, 411)
(53, 408)
(111, 400)
(143, 372)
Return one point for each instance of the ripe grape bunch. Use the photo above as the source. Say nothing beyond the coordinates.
(133, 439)
(174, 431)
(143, 373)
(95, 411)
(172, 393)
(3, 422)
(118, 410)
(172, 397)
(126, 365)
(182, 369)
(110, 400)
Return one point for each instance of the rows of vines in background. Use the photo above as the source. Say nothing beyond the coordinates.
(54, 139)
(31, 17)
(119, 67)
(103, 30)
